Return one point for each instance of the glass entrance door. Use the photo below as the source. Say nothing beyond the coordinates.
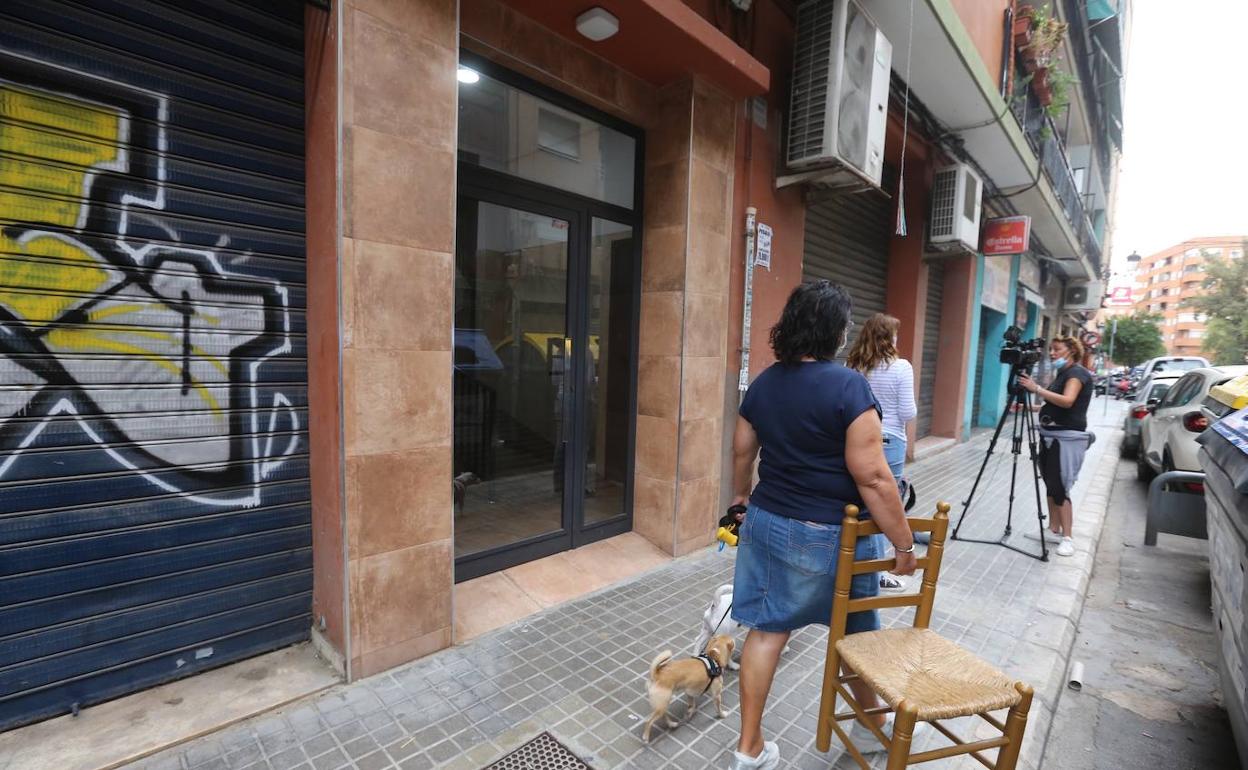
(512, 355)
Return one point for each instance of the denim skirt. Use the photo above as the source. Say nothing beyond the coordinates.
(786, 574)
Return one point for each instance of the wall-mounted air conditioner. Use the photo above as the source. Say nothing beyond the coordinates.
(1084, 295)
(838, 103)
(957, 202)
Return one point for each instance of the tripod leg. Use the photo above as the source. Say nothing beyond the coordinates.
(966, 504)
(1019, 426)
(1033, 441)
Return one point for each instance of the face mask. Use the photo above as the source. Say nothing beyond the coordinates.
(1059, 363)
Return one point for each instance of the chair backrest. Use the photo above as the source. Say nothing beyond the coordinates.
(853, 528)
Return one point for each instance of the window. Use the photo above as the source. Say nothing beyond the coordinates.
(1165, 305)
(1196, 333)
(1157, 392)
(1192, 269)
(515, 132)
(1183, 391)
(1192, 253)
(1237, 253)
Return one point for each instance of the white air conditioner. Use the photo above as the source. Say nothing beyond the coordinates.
(1084, 295)
(957, 201)
(838, 103)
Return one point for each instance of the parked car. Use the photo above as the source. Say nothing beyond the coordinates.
(1172, 364)
(1147, 395)
(1168, 433)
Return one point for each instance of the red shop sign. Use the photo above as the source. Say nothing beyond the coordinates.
(1007, 235)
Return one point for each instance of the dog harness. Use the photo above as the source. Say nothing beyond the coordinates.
(713, 670)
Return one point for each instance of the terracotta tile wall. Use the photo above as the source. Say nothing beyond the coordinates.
(684, 316)
(399, 106)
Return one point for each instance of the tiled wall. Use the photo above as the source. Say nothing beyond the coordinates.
(684, 316)
(399, 107)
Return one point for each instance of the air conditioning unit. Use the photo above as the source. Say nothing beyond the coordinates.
(1084, 295)
(957, 201)
(838, 103)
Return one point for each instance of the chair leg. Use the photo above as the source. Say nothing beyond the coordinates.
(827, 700)
(1015, 726)
(903, 732)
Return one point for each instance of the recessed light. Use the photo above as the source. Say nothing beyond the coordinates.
(597, 24)
(468, 76)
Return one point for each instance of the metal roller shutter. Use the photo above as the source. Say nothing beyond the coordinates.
(931, 348)
(154, 496)
(847, 240)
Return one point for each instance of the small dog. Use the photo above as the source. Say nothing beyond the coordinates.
(717, 619)
(690, 676)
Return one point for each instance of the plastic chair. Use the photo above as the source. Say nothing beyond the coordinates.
(918, 674)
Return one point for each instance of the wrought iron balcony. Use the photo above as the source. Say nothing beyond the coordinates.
(1042, 135)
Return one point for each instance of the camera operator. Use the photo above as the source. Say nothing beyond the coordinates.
(1064, 437)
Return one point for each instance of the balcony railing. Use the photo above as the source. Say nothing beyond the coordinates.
(1042, 135)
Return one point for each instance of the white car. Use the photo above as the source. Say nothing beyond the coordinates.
(1149, 394)
(1168, 434)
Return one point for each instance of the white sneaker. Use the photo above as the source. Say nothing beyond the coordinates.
(867, 743)
(892, 584)
(769, 759)
(1066, 547)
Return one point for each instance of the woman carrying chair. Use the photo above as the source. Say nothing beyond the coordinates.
(818, 427)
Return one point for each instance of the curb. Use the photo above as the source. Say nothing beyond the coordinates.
(1045, 652)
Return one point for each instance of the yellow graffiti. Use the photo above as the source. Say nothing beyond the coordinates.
(48, 146)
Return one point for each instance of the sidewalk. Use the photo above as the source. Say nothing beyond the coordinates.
(577, 670)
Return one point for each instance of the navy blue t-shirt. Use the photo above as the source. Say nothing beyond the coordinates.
(801, 414)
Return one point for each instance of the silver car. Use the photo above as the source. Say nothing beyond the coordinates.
(1148, 394)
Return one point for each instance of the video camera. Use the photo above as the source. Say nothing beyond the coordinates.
(1021, 355)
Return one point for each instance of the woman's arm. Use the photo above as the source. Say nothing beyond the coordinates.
(744, 451)
(864, 457)
(906, 409)
(1065, 399)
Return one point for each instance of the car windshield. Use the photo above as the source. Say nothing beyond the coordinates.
(1177, 366)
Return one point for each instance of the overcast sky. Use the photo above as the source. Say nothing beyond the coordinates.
(1184, 172)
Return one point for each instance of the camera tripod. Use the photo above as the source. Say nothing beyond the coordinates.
(1024, 427)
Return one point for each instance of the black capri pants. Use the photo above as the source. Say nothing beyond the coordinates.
(1051, 471)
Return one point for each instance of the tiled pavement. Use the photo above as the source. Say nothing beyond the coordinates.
(578, 669)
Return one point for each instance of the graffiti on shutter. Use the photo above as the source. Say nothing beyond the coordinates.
(86, 301)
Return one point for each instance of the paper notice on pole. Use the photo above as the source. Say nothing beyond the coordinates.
(762, 252)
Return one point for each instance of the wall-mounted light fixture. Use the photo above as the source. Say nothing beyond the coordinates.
(467, 76)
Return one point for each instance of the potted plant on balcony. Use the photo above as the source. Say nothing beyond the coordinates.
(1022, 25)
(1045, 38)
(1041, 87)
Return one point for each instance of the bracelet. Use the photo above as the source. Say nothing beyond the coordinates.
(905, 550)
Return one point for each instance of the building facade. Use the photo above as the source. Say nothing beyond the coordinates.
(1166, 281)
(367, 322)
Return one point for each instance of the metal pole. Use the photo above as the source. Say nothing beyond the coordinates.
(1113, 332)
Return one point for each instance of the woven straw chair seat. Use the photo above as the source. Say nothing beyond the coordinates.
(928, 672)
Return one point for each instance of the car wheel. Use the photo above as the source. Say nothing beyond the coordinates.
(1127, 449)
(1143, 471)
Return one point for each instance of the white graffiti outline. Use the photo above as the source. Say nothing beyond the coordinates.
(263, 463)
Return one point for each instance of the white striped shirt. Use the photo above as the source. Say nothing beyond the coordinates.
(893, 385)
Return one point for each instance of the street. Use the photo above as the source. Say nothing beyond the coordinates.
(1150, 692)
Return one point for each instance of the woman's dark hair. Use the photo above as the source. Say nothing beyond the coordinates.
(813, 323)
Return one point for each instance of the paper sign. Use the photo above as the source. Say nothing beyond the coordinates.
(1006, 235)
(762, 249)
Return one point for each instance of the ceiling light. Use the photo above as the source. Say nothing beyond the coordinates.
(597, 24)
(468, 76)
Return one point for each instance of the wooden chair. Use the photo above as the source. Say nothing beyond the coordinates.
(920, 675)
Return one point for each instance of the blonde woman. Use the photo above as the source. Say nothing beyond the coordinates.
(892, 381)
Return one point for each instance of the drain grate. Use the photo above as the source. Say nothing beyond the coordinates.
(541, 753)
